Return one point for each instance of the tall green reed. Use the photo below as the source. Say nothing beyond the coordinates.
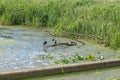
(87, 17)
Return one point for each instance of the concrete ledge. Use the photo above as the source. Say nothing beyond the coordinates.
(50, 70)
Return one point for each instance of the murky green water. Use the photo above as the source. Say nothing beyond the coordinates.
(98, 74)
(22, 48)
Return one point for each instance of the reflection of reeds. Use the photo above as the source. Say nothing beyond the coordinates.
(87, 17)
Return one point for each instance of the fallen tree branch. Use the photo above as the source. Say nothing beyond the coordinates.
(57, 44)
(79, 41)
(100, 39)
(85, 35)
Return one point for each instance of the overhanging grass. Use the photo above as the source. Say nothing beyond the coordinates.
(87, 17)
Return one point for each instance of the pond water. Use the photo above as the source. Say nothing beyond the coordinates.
(22, 47)
(98, 74)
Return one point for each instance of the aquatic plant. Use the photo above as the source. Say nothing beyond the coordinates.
(89, 57)
(100, 58)
(77, 58)
(57, 62)
(62, 70)
(65, 61)
(49, 56)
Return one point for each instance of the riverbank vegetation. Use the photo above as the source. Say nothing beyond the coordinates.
(96, 19)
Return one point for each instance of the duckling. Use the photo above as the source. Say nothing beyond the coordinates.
(45, 42)
(55, 41)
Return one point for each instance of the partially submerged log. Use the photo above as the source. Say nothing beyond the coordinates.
(67, 44)
(100, 39)
(90, 36)
(85, 35)
(58, 44)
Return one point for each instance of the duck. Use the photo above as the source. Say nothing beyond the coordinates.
(55, 41)
(45, 42)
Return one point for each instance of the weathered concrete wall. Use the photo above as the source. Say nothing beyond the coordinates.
(33, 72)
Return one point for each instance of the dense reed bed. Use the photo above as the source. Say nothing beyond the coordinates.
(100, 18)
